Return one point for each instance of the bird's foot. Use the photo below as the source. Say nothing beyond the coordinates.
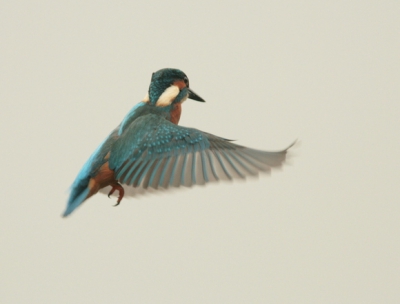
(121, 191)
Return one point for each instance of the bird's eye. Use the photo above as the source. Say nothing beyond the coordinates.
(186, 80)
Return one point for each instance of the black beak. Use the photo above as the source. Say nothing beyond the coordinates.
(194, 96)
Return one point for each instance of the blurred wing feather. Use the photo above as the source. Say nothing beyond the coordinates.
(153, 152)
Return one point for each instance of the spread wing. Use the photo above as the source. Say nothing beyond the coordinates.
(153, 152)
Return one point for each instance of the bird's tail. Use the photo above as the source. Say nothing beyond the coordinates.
(79, 192)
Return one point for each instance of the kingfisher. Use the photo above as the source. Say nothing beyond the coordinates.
(148, 149)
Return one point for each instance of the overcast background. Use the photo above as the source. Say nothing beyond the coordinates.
(325, 229)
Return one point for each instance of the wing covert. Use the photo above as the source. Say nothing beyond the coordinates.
(153, 152)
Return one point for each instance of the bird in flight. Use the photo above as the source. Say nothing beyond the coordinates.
(149, 149)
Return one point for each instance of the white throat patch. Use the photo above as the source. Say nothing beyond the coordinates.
(146, 98)
(168, 96)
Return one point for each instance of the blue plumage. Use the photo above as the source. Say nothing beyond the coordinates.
(149, 149)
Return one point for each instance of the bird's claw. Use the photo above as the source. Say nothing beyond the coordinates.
(121, 191)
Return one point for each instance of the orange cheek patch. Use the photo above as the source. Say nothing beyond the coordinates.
(180, 84)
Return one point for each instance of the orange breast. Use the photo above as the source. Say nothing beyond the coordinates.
(105, 176)
(176, 113)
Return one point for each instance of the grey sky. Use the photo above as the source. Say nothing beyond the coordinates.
(325, 229)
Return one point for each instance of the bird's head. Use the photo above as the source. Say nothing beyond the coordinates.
(169, 86)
